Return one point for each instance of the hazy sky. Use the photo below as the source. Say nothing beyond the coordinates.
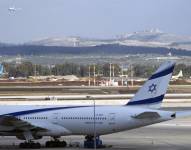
(91, 18)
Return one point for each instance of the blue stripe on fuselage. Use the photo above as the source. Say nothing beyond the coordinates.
(162, 73)
(147, 101)
(26, 112)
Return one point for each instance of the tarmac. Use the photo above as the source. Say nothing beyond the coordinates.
(171, 135)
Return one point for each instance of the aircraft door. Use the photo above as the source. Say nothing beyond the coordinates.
(112, 121)
(56, 117)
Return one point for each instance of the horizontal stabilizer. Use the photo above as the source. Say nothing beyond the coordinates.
(146, 115)
(182, 114)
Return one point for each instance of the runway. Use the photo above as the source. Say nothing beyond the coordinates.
(84, 97)
(9, 89)
(172, 135)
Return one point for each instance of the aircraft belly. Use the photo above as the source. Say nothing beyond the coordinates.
(87, 127)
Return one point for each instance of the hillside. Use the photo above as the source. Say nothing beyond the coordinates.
(114, 49)
(148, 38)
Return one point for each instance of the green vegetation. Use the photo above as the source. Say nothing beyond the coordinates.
(27, 69)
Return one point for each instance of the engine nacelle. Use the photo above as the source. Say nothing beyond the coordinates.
(22, 137)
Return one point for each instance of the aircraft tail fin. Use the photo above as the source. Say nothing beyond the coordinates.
(153, 91)
(1, 69)
(180, 74)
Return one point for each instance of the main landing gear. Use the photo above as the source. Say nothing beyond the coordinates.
(89, 142)
(30, 144)
(55, 143)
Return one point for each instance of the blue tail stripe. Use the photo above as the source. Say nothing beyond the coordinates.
(147, 101)
(162, 73)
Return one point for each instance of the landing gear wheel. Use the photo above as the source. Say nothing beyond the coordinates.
(63, 143)
(30, 145)
(57, 143)
(36, 145)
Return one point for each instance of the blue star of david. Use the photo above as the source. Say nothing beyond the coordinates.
(152, 88)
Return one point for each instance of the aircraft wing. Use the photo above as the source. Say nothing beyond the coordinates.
(145, 115)
(13, 123)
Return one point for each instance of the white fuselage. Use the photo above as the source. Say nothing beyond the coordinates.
(79, 120)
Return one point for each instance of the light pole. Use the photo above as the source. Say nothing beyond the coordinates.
(94, 74)
(94, 125)
(89, 76)
(94, 112)
(132, 75)
(110, 74)
(122, 76)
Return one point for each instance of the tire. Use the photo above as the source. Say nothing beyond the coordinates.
(54, 144)
(47, 144)
(37, 145)
(21, 145)
(63, 144)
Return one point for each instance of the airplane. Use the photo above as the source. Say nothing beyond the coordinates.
(178, 76)
(32, 122)
(13, 9)
(1, 69)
